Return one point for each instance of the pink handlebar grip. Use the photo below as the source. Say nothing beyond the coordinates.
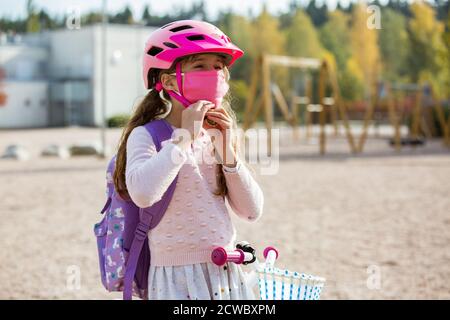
(267, 250)
(220, 256)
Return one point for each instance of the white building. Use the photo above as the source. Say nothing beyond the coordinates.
(54, 78)
(26, 86)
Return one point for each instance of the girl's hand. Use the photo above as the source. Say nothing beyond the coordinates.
(224, 123)
(192, 119)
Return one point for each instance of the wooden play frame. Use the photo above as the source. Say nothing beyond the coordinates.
(417, 117)
(261, 76)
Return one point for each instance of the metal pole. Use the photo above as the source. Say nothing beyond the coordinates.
(103, 77)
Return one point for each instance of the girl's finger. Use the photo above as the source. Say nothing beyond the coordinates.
(223, 111)
(201, 104)
(205, 108)
(212, 117)
(223, 123)
(218, 114)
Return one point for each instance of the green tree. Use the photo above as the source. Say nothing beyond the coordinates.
(266, 36)
(17, 25)
(239, 29)
(399, 6)
(446, 59)
(442, 9)
(394, 45)
(364, 44)
(91, 18)
(427, 59)
(335, 38)
(146, 14)
(46, 22)
(351, 81)
(123, 17)
(302, 39)
(32, 18)
(318, 14)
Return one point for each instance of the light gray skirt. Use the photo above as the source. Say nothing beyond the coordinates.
(201, 281)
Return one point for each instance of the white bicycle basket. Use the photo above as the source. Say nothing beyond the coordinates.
(282, 284)
(279, 284)
(273, 283)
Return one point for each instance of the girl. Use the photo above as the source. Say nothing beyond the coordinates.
(185, 66)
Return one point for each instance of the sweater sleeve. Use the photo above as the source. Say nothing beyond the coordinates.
(245, 197)
(149, 173)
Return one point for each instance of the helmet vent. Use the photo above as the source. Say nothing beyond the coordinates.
(196, 37)
(176, 29)
(170, 45)
(153, 51)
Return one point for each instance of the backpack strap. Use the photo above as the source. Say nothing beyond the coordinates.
(109, 185)
(149, 217)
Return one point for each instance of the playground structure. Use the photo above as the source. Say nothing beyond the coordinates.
(261, 81)
(263, 88)
(392, 98)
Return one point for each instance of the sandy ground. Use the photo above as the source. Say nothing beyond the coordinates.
(350, 219)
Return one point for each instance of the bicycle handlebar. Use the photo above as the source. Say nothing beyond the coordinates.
(220, 256)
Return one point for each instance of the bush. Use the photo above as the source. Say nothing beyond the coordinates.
(118, 121)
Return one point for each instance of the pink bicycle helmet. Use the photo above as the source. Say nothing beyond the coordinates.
(183, 38)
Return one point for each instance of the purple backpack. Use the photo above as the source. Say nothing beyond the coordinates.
(122, 240)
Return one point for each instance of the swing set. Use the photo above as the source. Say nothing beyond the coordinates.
(261, 83)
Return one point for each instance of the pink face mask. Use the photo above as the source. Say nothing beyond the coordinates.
(210, 85)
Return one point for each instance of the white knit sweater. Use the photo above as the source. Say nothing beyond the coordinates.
(196, 220)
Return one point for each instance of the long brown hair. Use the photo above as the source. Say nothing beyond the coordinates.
(151, 107)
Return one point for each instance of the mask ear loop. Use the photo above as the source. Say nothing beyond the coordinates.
(168, 103)
(179, 96)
